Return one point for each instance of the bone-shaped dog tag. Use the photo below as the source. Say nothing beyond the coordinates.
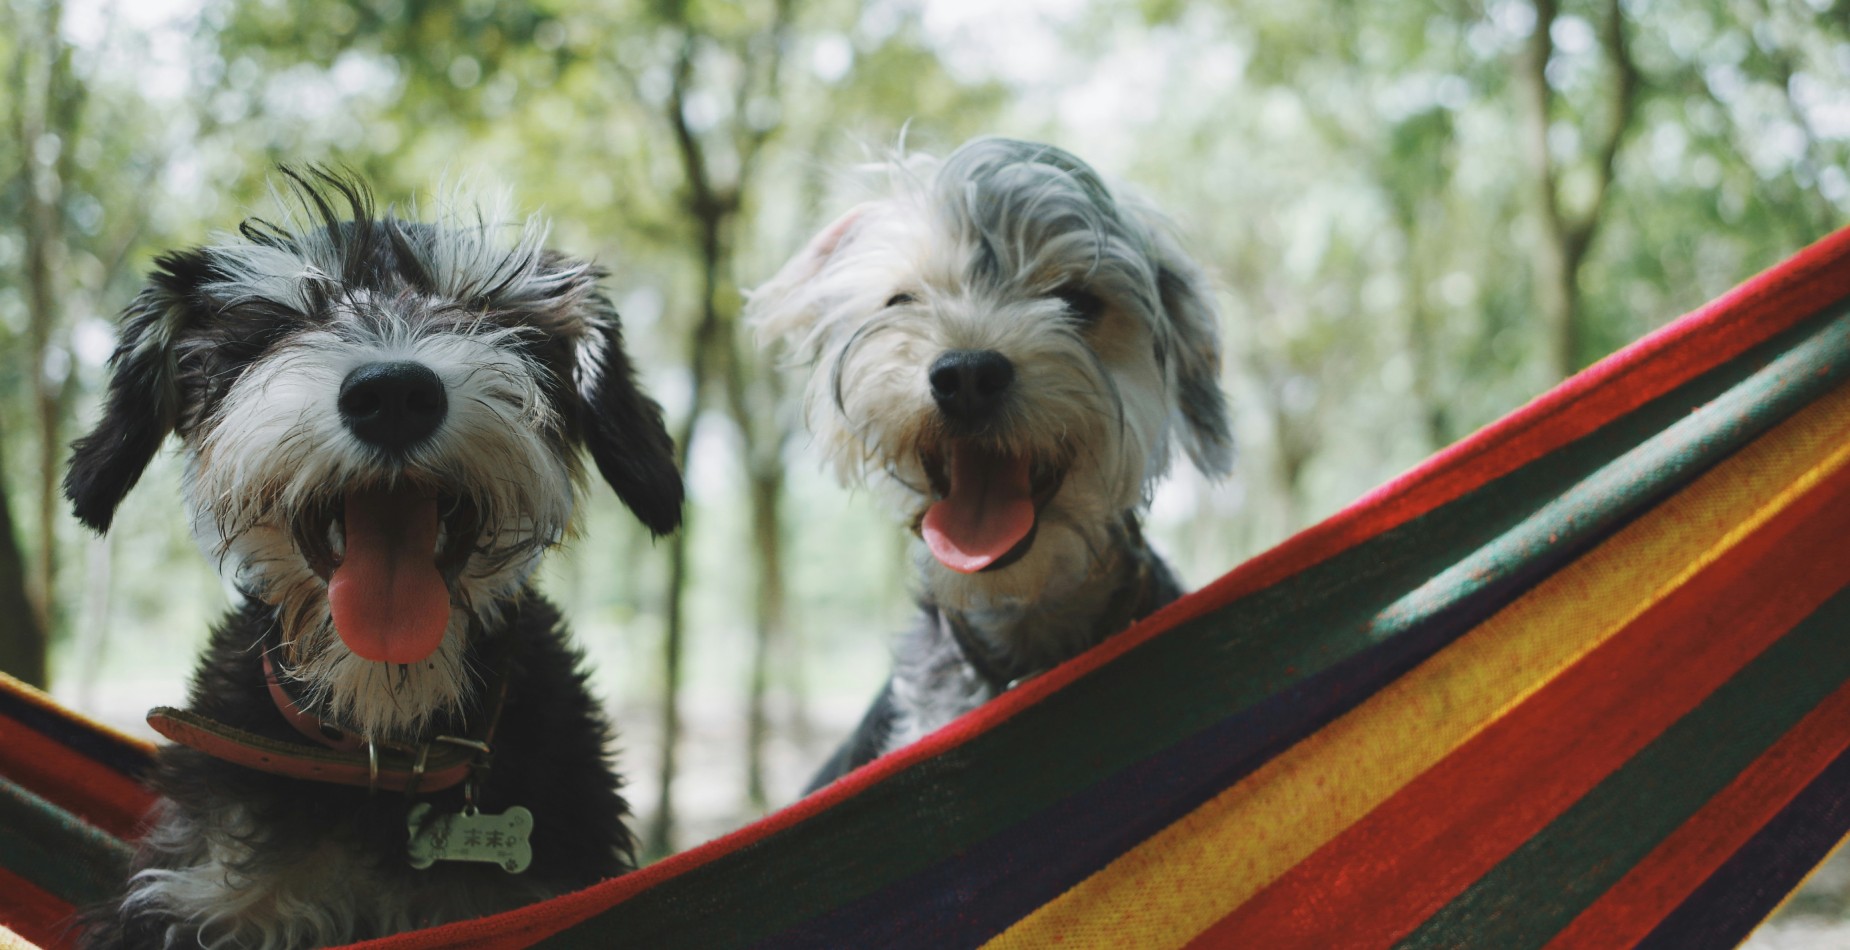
(470, 835)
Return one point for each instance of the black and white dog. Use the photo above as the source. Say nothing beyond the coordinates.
(1011, 347)
(381, 419)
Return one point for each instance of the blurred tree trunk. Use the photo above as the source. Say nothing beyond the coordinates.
(1570, 231)
(46, 117)
(1285, 383)
(782, 643)
(1422, 347)
(767, 491)
(756, 397)
(715, 354)
(22, 640)
(1288, 397)
(1412, 214)
(659, 839)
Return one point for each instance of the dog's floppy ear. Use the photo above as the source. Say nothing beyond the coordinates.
(1194, 320)
(141, 405)
(623, 428)
(785, 307)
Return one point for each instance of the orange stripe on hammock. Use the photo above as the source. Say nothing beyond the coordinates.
(73, 781)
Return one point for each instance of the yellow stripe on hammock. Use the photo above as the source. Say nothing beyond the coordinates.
(1186, 877)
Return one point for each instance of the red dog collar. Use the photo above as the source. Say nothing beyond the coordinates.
(439, 763)
(333, 737)
(425, 768)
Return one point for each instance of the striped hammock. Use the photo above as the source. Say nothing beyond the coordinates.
(1581, 680)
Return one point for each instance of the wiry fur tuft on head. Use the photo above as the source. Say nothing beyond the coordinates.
(242, 349)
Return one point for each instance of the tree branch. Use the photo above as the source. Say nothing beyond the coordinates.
(1623, 94)
(1532, 73)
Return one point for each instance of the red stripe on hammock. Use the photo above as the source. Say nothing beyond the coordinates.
(1634, 905)
(1751, 313)
(73, 781)
(36, 914)
(1377, 881)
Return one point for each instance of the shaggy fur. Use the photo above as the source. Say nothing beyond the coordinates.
(1018, 253)
(241, 349)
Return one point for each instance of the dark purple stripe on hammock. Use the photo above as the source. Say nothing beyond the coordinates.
(1745, 889)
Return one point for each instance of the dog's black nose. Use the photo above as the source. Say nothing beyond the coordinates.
(392, 405)
(968, 385)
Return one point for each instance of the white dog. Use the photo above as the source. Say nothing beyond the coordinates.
(1013, 347)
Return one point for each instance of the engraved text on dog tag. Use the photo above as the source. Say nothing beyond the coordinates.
(470, 835)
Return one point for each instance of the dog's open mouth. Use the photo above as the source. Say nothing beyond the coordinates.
(389, 557)
(988, 505)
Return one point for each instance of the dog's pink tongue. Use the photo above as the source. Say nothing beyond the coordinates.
(988, 511)
(389, 601)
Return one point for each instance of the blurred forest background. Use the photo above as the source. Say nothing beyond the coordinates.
(1421, 215)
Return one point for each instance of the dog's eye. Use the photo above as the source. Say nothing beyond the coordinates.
(1085, 306)
(901, 298)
